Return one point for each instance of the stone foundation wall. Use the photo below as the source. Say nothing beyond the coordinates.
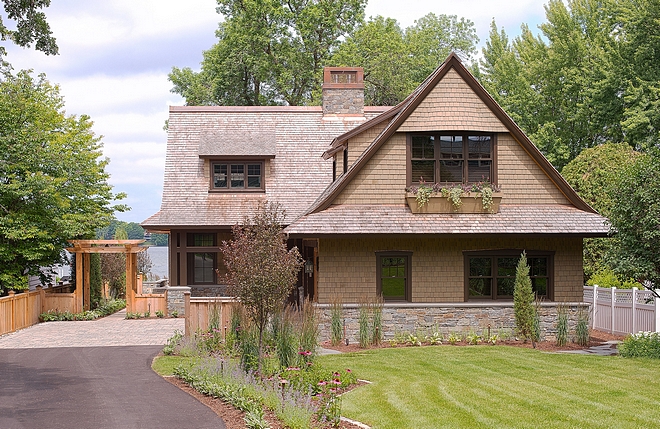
(449, 318)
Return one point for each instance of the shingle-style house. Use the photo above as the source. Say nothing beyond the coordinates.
(344, 178)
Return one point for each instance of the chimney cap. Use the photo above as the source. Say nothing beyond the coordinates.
(343, 77)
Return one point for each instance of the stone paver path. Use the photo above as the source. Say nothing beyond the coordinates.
(608, 348)
(113, 330)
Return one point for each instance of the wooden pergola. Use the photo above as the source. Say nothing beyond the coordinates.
(84, 248)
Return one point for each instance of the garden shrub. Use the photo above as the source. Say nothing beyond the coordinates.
(641, 344)
(562, 325)
(607, 278)
(582, 327)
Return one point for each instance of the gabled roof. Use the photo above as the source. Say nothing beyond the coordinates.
(398, 115)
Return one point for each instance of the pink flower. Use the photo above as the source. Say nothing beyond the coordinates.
(305, 353)
(322, 383)
(348, 370)
(336, 381)
(336, 374)
(293, 368)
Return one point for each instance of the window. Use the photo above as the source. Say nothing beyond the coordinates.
(237, 176)
(492, 275)
(393, 275)
(203, 268)
(451, 157)
(202, 263)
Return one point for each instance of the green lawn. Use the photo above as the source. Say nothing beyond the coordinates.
(499, 387)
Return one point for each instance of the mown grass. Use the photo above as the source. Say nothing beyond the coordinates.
(164, 365)
(499, 387)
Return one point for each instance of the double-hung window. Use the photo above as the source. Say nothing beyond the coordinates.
(451, 157)
(237, 175)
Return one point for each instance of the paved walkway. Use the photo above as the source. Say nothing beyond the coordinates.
(608, 348)
(113, 330)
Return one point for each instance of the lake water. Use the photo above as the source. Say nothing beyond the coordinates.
(159, 263)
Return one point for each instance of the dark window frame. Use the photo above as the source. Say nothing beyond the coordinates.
(245, 163)
(501, 254)
(437, 159)
(192, 278)
(408, 276)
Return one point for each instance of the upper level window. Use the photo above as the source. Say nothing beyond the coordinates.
(237, 176)
(451, 157)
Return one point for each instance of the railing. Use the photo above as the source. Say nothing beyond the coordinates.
(623, 311)
(200, 311)
(18, 311)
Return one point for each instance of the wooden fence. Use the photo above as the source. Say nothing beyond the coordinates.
(199, 312)
(138, 302)
(18, 311)
(623, 311)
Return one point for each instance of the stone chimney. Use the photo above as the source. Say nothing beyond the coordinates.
(343, 91)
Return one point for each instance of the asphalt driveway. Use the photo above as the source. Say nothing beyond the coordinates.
(92, 387)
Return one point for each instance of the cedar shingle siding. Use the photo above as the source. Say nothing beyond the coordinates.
(364, 211)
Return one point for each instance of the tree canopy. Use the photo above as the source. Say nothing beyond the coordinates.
(592, 78)
(593, 174)
(31, 26)
(396, 61)
(635, 220)
(268, 52)
(273, 52)
(53, 183)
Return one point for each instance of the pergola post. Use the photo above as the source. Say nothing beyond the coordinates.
(78, 293)
(87, 282)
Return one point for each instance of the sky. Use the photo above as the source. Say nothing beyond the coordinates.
(115, 55)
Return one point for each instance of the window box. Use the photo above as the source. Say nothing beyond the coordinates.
(470, 203)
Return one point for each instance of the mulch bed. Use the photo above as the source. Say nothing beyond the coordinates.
(233, 418)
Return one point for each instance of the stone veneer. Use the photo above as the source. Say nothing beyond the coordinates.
(175, 299)
(460, 318)
(343, 101)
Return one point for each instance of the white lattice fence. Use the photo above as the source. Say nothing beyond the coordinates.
(623, 311)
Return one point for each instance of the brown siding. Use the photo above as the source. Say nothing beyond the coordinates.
(359, 143)
(521, 179)
(383, 179)
(452, 105)
(347, 266)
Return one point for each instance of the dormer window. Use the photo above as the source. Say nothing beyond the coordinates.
(451, 157)
(237, 176)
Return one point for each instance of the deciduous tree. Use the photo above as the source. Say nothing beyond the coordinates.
(635, 220)
(261, 271)
(593, 174)
(53, 183)
(268, 52)
(396, 61)
(31, 26)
